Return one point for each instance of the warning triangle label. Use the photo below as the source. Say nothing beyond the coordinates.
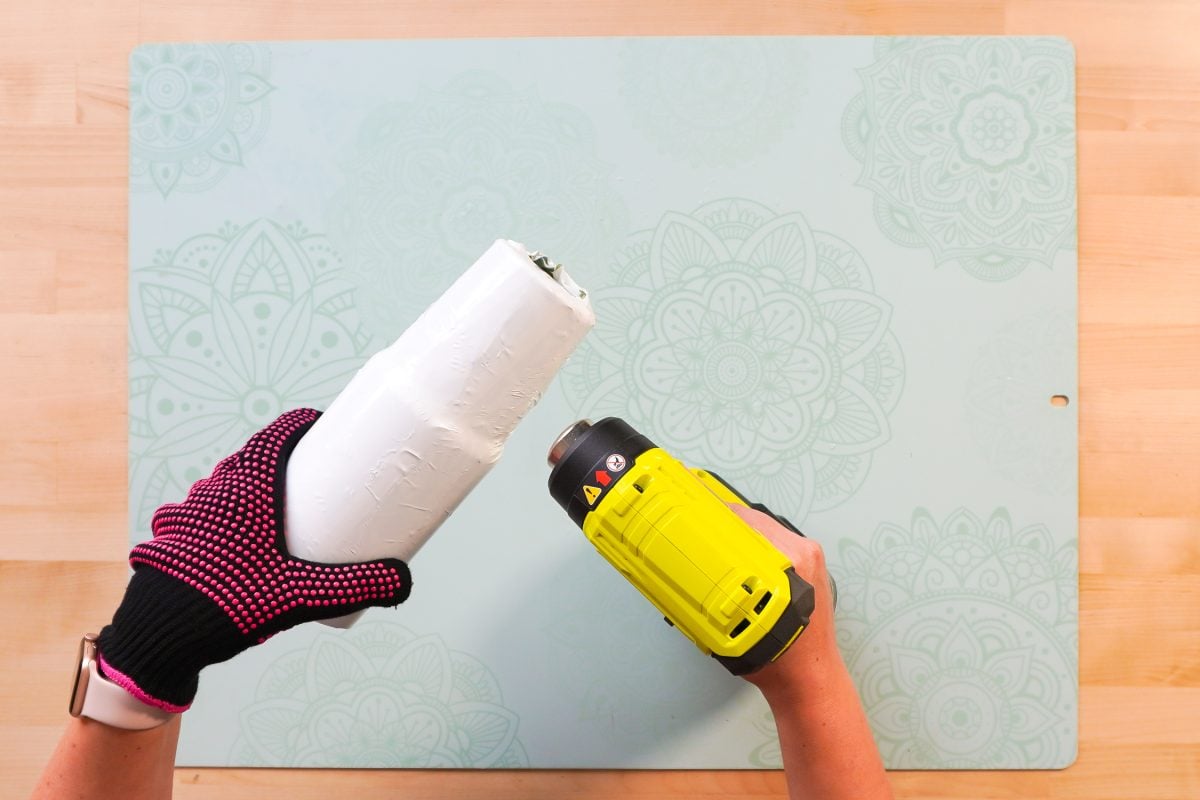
(591, 493)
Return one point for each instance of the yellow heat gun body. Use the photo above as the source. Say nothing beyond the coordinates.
(668, 530)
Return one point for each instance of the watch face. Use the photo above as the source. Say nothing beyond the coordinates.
(87, 652)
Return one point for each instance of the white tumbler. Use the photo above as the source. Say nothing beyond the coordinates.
(426, 418)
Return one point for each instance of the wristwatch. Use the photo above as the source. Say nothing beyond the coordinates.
(95, 697)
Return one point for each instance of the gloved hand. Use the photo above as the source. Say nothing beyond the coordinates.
(217, 578)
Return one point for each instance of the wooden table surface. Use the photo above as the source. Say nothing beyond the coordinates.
(63, 140)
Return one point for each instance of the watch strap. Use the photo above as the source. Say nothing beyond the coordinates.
(108, 703)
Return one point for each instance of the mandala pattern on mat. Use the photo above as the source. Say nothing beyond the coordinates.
(767, 755)
(1026, 439)
(194, 110)
(962, 637)
(378, 695)
(431, 183)
(228, 330)
(745, 339)
(713, 101)
(631, 677)
(969, 147)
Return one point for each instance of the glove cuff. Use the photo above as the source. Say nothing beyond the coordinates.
(161, 636)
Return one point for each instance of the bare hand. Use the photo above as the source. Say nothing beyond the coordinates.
(816, 649)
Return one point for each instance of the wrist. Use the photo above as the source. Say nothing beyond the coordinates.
(161, 636)
(108, 672)
(801, 672)
(97, 697)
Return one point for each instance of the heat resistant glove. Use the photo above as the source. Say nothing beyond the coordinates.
(217, 577)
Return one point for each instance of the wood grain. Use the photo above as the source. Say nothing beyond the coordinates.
(62, 357)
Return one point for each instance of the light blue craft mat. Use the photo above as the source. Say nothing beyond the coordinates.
(840, 270)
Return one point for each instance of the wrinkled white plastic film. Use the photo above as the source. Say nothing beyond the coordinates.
(426, 418)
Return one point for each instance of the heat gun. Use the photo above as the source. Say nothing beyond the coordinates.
(668, 530)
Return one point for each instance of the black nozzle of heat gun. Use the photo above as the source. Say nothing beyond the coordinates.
(588, 453)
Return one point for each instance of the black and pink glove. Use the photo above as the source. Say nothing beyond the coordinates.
(217, 577)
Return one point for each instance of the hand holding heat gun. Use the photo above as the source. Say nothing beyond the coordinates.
(670, 531)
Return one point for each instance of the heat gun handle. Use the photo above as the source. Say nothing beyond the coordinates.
(738, 497)
(724, 490)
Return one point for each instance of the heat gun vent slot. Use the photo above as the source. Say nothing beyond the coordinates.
(766, 598)
(737, 629)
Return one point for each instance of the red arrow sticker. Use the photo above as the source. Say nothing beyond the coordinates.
(602, 478)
